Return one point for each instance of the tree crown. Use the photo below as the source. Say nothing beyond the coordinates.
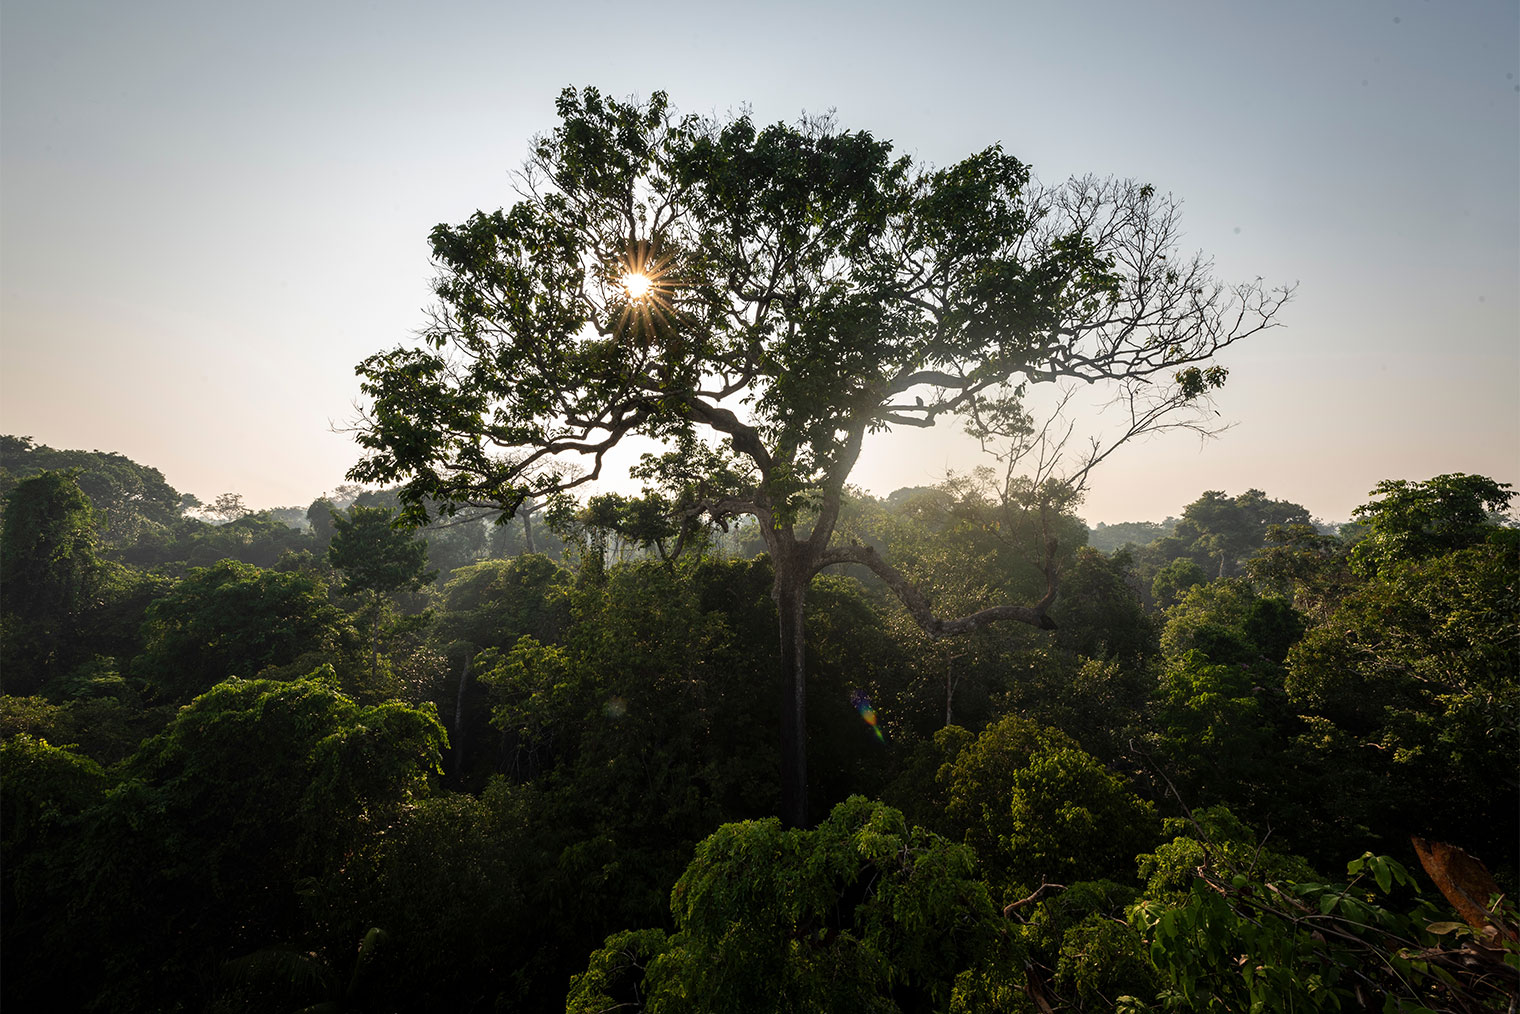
(1413, 520)
(806, 287)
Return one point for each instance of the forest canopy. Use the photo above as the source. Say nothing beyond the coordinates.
(546, 782)
(479, 737)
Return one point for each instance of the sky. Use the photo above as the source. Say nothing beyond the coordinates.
(210, 212)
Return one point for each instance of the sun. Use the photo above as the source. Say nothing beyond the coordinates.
(637, 284)
(645, 274)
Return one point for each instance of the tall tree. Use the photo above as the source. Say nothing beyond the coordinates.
(862, 914)
(47, 548)
(231, 830)
(320, 516)
(51, 576)
(1229, 529)
(373, 555)
(234, 619)
(762, 298)
(376, 559)
(229, 507)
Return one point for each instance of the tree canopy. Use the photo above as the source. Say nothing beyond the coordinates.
(233, 619)
(1413, 520)
(131, 501)
(173, 840)
(808, 288)
(374, 556)
(762, 298)
(47, 547)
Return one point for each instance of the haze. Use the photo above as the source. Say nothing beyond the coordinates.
(210, 213)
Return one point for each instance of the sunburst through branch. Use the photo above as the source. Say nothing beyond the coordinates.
(649, 284)
(638, 285)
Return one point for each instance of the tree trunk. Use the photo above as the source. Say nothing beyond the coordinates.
(459, 747)
(374, 626)
(790, 592)
(949, 691)
(527, 518)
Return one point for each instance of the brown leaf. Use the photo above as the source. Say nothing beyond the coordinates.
(1464, 881)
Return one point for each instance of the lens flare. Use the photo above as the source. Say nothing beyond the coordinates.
(638, 284)
(646, 276)
(862, 704)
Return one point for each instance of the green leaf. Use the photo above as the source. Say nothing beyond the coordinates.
(1442, 928)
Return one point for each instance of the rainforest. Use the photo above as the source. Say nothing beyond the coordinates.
(304, 759)
(604, 684)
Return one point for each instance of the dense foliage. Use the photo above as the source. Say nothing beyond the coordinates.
(543, 784)
(529, 757)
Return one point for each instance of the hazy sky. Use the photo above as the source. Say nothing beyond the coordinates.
(209, 212)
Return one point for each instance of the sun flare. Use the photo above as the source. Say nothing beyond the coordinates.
(646, 278)
(638, 284)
